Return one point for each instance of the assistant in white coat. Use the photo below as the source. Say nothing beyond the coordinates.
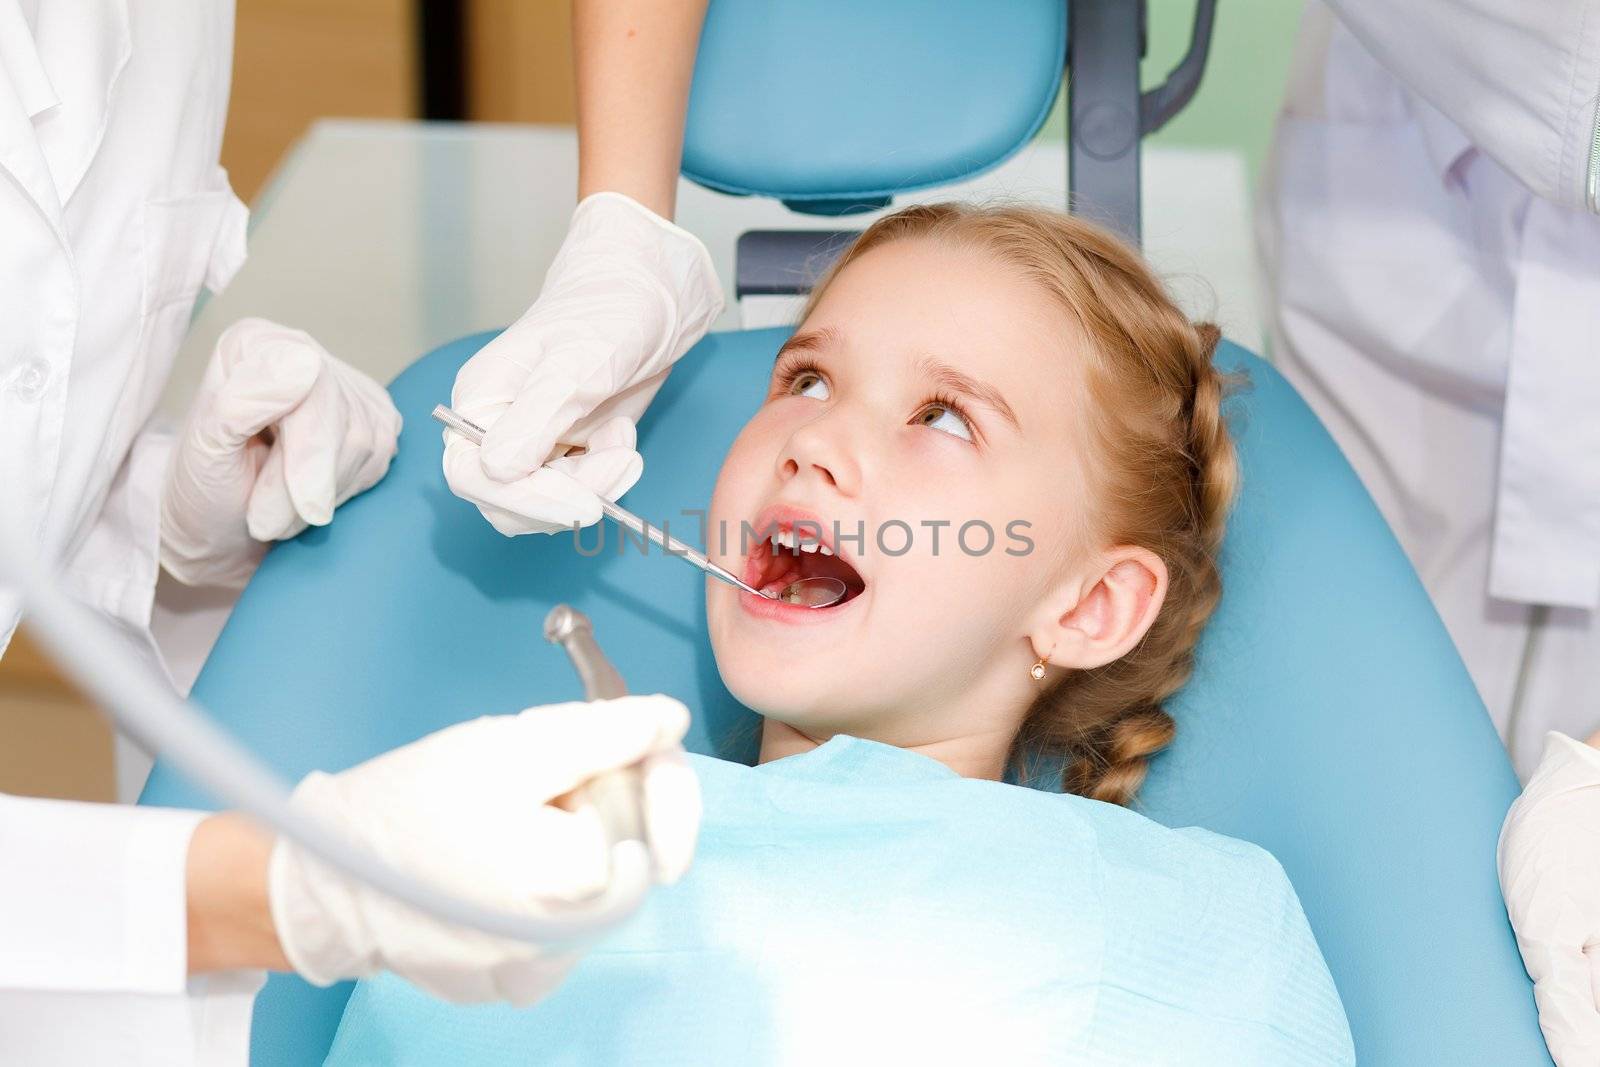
(115, 213)
(1428, 236)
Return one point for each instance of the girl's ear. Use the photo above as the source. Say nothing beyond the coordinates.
(1091, 622)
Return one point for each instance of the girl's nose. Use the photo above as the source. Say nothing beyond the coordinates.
(820, 450)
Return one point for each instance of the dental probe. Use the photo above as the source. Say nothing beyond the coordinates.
(816, 592)
(615, 794)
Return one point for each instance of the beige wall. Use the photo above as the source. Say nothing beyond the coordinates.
(52, 742)
(520, 61)
(296, 60)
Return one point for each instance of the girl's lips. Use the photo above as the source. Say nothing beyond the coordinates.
(763, 607)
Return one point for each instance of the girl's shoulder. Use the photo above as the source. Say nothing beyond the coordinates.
(1208, 869)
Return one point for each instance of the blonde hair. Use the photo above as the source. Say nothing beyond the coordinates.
(1165, 469)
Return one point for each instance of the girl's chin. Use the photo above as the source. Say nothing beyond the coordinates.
(778, 702)
(784, 702)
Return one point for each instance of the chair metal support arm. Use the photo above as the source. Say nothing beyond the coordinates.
(1105, 41)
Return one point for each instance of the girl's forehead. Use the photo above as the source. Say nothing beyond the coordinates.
(911, 304)
(920, 288)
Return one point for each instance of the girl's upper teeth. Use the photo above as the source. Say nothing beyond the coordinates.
(791, 540)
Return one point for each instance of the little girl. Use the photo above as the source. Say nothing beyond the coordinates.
(997, 430)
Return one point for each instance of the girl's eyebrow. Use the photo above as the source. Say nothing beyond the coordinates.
(813, 340)
(966, 385)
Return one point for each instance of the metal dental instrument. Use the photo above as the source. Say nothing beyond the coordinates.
(615, 794)
(817, 592)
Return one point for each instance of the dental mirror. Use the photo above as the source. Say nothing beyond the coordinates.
(814, 592)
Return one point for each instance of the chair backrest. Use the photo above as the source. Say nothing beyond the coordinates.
(1330, 719)
(836, 105)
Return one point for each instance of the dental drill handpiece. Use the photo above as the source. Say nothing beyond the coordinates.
(615, 794)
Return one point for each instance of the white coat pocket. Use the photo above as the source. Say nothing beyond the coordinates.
(189, 242)
(1375, 247)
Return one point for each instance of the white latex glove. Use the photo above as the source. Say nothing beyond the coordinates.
(280, 434)
(562, 494)
(627, 295)
(1549, 859)
(469, 808)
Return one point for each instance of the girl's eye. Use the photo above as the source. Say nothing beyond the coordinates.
(945, 418)
(809, 383)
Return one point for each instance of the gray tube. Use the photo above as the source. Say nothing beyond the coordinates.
(143, 704)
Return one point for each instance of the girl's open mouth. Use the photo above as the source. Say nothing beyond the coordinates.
(789, 555)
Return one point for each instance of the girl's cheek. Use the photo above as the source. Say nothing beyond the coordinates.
(740, 484)
(782, 416)
(937, 448)
(755, 450)
(934, 470)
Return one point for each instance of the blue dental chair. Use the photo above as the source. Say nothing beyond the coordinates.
(1329, 719)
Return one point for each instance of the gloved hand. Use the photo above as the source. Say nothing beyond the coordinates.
(469, 808)
(558, 496)
(280, 435)
(1549, 859)
(627, 295)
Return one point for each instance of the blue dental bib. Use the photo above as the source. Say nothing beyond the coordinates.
(861, 903)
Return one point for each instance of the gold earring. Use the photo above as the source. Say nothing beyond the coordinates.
(1037, 671)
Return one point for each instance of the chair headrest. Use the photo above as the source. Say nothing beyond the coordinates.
(834, 106)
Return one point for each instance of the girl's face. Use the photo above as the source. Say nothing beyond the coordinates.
(923, 425)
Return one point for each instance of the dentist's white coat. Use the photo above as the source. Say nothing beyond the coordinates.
(114, 213)
(1428, 230)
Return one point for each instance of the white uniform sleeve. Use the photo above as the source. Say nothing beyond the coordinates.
(1520, 79)
(95, 959)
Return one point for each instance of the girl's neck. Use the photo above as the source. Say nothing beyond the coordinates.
(971, 756)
